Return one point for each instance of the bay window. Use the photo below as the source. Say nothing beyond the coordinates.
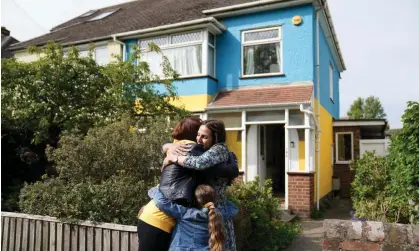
(261, 52)
(189, 54)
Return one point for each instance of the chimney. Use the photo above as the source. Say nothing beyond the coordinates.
(4, 31)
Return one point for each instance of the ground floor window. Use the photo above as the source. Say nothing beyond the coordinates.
(344, 147)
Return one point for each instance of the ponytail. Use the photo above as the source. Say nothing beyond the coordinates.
(216, 228)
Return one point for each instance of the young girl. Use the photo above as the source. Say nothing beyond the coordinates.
(196, 229)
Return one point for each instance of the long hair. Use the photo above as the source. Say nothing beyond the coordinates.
(206, 197)
(218, 130)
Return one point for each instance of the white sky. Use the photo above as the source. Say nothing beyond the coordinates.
(379, 40)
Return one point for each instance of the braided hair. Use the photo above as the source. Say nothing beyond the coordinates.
(206, 197)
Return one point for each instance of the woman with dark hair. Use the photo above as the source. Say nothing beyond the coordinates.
(212, 136)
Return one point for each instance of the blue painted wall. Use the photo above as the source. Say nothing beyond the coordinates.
(325, 60)
(297, 46)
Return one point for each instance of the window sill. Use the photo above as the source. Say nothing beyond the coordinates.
(198, 76)
(343, 162)
(262, 76)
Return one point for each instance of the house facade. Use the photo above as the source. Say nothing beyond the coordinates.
(269, 69)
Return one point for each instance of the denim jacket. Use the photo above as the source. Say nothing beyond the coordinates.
(191, 231)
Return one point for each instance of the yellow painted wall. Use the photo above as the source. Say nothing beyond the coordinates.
(25, 56)
(193, 103)
(235, 145)
(301, 155)
(326, 141)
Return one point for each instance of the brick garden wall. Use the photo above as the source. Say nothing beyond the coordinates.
(301, 193)
(369, 235)
(342, 170)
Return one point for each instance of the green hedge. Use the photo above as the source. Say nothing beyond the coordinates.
(258, 226)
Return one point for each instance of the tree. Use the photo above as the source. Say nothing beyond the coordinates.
(373, 108)
(369, 108)
(357, 109)
(58, 93)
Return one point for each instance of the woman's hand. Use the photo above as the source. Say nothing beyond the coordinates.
(177, 149)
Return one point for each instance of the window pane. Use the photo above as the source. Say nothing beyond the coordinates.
(101, 55)
(231, 120)
(83, 54)
(261, 35)
(259, 59)
(265, 116)
(160, 41)
(296, 117)
(211, 57)
(187, 37)
(185, 60)
(154, 61)
(211, 38)
(344, 147)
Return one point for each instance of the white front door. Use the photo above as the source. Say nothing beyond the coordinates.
(256, 152)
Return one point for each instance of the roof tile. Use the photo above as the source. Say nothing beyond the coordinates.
(261, 96)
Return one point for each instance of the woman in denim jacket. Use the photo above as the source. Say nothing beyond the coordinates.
(196, 229)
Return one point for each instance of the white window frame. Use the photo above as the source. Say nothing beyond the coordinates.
(204, 42)
(331, 82)
(85, 47)
(258, 42)
(337, 146)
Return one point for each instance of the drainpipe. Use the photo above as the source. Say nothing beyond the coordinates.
(123, 46)
(318, 131)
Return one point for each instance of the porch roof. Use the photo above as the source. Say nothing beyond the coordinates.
(263, 96)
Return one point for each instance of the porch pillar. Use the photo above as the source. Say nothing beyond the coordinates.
(301, 193)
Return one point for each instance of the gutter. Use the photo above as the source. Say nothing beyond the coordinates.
(175, 25)
(84, 41)
(269, 105)
(252, 6)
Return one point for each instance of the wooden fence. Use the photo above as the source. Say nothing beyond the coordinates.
(42, 233)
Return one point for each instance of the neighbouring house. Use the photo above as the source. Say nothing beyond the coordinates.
(6, 41)
(269, 69)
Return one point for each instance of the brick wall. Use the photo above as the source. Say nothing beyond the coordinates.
(301, 193)
(341, 235)
(342, 170)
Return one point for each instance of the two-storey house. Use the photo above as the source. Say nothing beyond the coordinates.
(269, 69)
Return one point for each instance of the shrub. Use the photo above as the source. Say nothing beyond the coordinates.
(103, 176)
(258, 226)
(387, 188)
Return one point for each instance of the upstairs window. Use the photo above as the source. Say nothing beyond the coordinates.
(103, 15)
(89, 13)
(190, 54)
(261, 53)
(100, 54)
